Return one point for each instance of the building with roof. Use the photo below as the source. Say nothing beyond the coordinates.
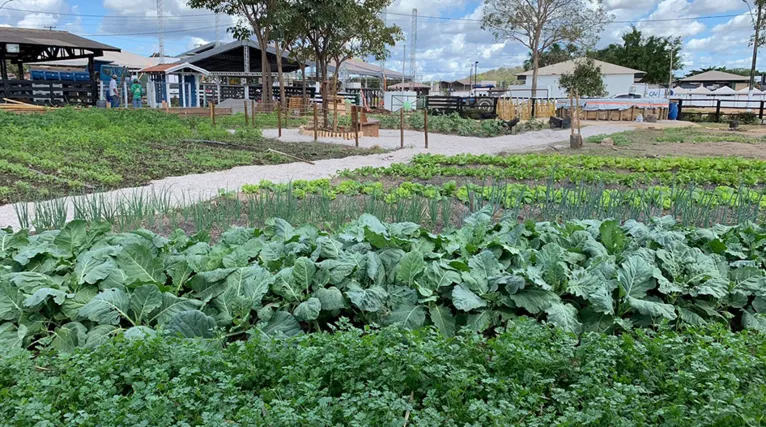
(714, 79)
(26, 46)
(617, 79)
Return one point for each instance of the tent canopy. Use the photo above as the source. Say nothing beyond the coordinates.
(701, 90)
(229, 59)
(724, 90)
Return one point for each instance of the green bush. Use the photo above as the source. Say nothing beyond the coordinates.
(747, 118)
(528, 375)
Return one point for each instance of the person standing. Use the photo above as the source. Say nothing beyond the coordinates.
(136, 91)
(114, 93)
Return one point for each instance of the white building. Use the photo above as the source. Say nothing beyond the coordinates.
(617, 79)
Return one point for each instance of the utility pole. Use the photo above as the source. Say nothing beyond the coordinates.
(404, 64)
(670, 71)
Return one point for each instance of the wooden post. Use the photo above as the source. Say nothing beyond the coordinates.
(355, 124)
(212, 111)
(401, 127)
(252, 104)
(718, 110)
(425, 125)
(315, 122)
(279, 118)
(760, 112)
(246, 123)
(210, 106)
(167, 106)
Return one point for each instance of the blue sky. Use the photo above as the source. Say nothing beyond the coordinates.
(715, 32)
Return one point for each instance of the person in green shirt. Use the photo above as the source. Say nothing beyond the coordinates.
(135, 91)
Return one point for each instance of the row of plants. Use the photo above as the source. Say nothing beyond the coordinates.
(436, 207)
(66, 150)
(514, 194)
(602, 169)
(82, 285)
(452, 124)
(528, 374)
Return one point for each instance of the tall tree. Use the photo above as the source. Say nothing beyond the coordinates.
(259, 14)
(539, 24)
(554, 55)
(651, 54)
(339, 30)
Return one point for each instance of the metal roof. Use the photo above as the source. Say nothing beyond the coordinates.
(569, 66)
(52, 38)
(716, 76)
(173, 68)
(361, 68)
(409, 85)
(124, 59)
(228, 62)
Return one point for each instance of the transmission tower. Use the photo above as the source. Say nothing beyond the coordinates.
(161, 28)
(217, 29)
(413, 42)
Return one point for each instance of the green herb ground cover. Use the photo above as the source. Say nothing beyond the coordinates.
(690, 135)
(528, 375)
(450, 124)
(80, 286)
(68, 151)
(629, 171)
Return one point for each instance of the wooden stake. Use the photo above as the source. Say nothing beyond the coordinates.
(425, 125)
(279, 119)
(355, 124)
(401, 127)
(292, 157)
(252, 104)
(315, 122)
(246, 123)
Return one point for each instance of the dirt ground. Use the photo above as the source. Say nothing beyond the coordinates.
(651, 140)
(668, 149)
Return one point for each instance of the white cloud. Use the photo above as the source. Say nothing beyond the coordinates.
(38, 20)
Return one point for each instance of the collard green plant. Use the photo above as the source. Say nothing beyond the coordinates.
(81, 285)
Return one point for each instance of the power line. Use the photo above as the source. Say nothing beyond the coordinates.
(443, 18)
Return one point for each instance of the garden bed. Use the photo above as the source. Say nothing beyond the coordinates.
(67, 151)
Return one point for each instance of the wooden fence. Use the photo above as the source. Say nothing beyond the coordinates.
(511, 108)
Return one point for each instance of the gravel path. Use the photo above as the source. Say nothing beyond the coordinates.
(185, 189)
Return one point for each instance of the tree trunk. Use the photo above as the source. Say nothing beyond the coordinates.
(303, 84)
(759, 4)
(535, 62)
(266, 92)
(280, 76)
(579, 125)
(571, 115)
(335, 100)
(323, 89)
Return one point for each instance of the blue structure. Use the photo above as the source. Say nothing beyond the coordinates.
(182, 78)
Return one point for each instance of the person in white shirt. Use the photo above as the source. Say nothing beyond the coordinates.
(114, 93)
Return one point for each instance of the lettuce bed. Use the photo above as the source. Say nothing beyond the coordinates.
(529, 374)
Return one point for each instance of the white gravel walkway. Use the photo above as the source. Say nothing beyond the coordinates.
(204, 186)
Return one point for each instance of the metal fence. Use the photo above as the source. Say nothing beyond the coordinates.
(702, 108)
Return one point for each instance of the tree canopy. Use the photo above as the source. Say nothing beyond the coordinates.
(539, 24)
(651, 54)
(555, 54)
(584, 81)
